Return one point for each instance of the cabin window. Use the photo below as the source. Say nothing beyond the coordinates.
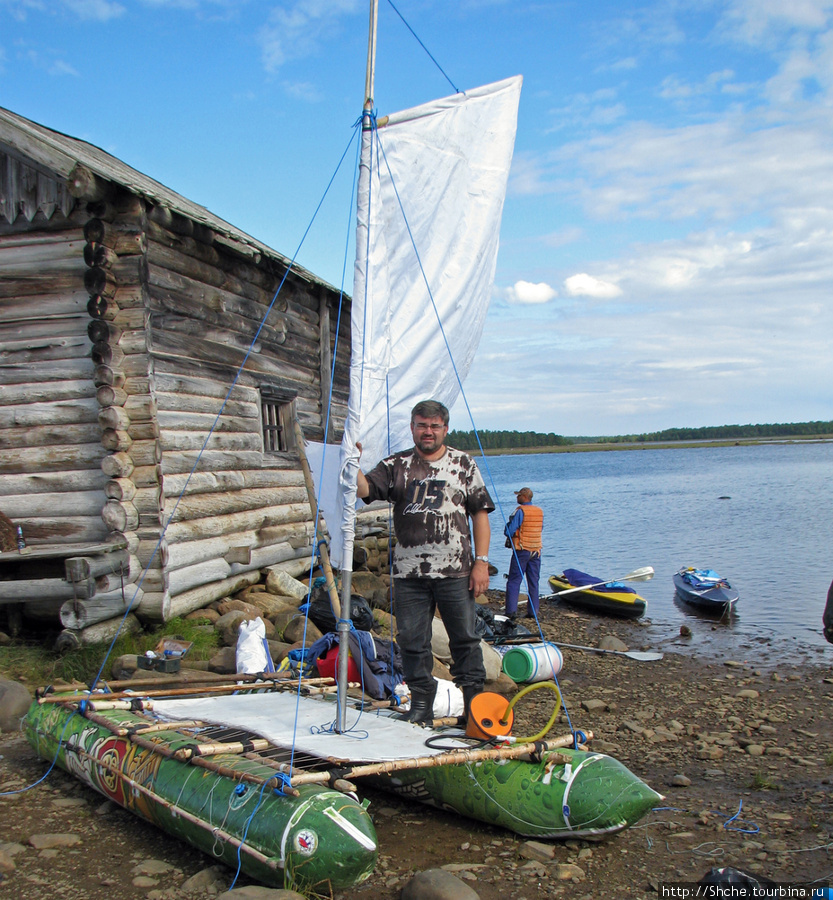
(278, 415)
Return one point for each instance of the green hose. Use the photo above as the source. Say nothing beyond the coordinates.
(551, 685)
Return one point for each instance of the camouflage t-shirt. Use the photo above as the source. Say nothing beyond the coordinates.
(432, 502)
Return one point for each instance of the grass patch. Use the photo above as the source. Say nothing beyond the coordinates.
(828, 760)
(761, 782)
(36, 665)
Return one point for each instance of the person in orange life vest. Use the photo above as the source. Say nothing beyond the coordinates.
(523, 534)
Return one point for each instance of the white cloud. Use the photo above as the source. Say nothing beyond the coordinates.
(584, 285)
(303, 90)
(43, 60)
(297, 30)
(563, 236)
(59, 67)
(97, 10)
(674, 88)
(524, 292)
(18, 8)
(756, 21)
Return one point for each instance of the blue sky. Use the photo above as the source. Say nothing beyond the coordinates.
(667, 244)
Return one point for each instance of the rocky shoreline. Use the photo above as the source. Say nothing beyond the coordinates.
(742, 754)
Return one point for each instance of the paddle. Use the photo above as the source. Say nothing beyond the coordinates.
(641, 655)
(646, 573)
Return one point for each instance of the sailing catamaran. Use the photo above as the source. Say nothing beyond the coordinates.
(262, 772)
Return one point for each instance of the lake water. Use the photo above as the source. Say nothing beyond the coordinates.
(610, 512)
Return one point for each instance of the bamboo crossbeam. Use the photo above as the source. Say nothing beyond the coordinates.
(168, 726)
(215, 747)
(338, 784)
(128, 699)
(242, 682)
(453, 757)
(121, 731)
(228, 772)
(215, 831)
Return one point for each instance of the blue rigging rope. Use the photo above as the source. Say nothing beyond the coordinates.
(430, 55)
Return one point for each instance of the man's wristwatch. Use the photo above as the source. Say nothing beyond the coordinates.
(484, 559)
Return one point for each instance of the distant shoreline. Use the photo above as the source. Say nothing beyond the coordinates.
(658, 445)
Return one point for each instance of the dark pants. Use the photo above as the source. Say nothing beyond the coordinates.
(523, 563)
(416, 600)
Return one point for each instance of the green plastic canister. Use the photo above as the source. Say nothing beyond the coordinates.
(532, 662)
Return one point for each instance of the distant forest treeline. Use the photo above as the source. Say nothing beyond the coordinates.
(509, 440)
(723, 432)
(504, 440)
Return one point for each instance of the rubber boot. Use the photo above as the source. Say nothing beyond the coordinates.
(469, 691)
(422, 707)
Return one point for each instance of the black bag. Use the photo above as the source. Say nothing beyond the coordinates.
(484, 623)
(743, 884)
(496, 629)
(322, 615)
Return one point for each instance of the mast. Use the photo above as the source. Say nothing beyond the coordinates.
(343, 625)
(370, 77)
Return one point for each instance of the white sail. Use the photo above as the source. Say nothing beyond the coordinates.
(431, 194)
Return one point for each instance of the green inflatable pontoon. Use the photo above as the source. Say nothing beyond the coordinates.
(319, 839)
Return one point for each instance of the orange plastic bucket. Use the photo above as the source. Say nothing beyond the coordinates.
(488, 716)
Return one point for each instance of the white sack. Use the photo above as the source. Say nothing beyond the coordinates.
(251, 658)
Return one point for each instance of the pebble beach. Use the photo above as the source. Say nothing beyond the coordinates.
(742, 754)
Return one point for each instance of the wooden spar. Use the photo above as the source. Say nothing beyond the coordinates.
(178, 811)
(339, 784)
(451, 758)
(166, 726)
(262, 683)
(209, 679)
(212, 749)
(241, 776)
(319, 541)
(128, 700)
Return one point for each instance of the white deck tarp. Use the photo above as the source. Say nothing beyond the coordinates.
(306, 724)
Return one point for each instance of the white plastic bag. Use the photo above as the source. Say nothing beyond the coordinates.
(251, 657)
(449, 700)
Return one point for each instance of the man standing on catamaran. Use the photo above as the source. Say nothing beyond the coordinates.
(435, 491)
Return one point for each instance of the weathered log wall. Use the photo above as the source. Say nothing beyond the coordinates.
(124, 325)
(190, 483)
(229, 507)
(51, 483)
(115, 253)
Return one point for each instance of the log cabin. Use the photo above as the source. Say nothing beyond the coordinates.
(154, 360)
